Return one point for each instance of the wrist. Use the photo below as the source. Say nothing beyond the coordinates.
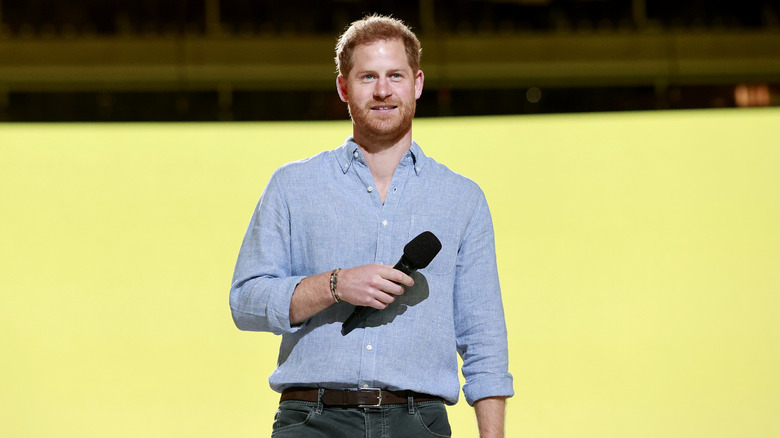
(334, 278)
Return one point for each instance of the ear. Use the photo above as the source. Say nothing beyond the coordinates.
(418, 84)
(341, 87)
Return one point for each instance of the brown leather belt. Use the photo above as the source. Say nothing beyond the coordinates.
(362, 398)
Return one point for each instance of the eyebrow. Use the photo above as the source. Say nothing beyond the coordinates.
(374, 72)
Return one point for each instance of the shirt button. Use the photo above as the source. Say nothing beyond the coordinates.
(369, 347)
(370, 189)
(417, 169)
(355, 154)
(384, 223)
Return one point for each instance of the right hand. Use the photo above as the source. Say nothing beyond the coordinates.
(372, 285)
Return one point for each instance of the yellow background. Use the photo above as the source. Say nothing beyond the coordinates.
(639, 256)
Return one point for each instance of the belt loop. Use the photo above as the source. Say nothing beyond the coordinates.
(319, 400)
(410, 403)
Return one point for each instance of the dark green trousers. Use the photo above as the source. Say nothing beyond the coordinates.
(300, 419)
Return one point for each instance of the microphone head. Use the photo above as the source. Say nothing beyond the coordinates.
(421, 250)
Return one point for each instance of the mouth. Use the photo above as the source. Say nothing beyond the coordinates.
(384, 107)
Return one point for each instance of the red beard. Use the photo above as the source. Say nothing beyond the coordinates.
(390, 126)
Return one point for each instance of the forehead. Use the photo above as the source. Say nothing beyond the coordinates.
(388, 54)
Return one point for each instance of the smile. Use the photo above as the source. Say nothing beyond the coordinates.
(384, 107)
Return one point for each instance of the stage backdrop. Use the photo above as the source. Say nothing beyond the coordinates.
(639, 256)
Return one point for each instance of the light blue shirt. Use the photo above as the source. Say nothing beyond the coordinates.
(323, 213)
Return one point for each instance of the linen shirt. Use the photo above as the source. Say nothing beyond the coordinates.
(325, 212)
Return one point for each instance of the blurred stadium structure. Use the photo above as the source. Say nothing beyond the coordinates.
(202, 60)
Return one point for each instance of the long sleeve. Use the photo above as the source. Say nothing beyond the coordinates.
(321, 213)
(262, 284)
(480, 327)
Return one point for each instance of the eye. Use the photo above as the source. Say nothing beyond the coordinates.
(368, 77)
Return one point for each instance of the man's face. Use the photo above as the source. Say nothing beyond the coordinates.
(381, 90)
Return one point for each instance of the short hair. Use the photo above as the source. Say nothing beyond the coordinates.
(374, 28)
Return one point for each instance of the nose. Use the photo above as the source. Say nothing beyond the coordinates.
(382, 89)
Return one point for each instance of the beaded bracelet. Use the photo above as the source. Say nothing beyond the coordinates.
(333, 280)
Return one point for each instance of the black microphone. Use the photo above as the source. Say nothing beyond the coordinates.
(418, 253)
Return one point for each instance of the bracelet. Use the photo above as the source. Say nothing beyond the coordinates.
(333, 280)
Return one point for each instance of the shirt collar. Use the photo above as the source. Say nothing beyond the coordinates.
(349, 152)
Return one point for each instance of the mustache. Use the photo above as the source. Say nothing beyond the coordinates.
(385, 103)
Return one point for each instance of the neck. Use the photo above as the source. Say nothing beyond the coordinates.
(382, 157)
(382, 154)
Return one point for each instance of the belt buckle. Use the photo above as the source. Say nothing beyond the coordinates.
(378, 397)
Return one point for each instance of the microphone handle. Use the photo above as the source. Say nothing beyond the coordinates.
(362, 313)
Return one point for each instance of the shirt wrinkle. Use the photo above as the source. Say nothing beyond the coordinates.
(312, 220)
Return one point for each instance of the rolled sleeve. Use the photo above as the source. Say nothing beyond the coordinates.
(479, 315)
(264, 305)
(262, 284)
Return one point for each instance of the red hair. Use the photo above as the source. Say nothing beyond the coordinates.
(374, 28)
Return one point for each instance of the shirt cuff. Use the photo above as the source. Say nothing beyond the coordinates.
(488, 386)
(278, 310)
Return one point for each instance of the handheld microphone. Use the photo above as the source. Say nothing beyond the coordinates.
(418, 253)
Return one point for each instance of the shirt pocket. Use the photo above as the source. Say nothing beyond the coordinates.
(447, 232)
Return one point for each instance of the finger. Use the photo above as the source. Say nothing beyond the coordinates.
(386, 299)
(386, 286)
(399, 277)
(376, 304)
(380, 301)
(390, 287)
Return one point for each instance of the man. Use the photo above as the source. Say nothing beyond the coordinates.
(322, 241)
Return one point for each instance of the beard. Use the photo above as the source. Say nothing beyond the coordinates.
(383, 127)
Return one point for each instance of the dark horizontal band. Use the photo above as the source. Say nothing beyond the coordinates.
(355, 398)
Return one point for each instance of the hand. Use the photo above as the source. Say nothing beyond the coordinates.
(372, 285)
